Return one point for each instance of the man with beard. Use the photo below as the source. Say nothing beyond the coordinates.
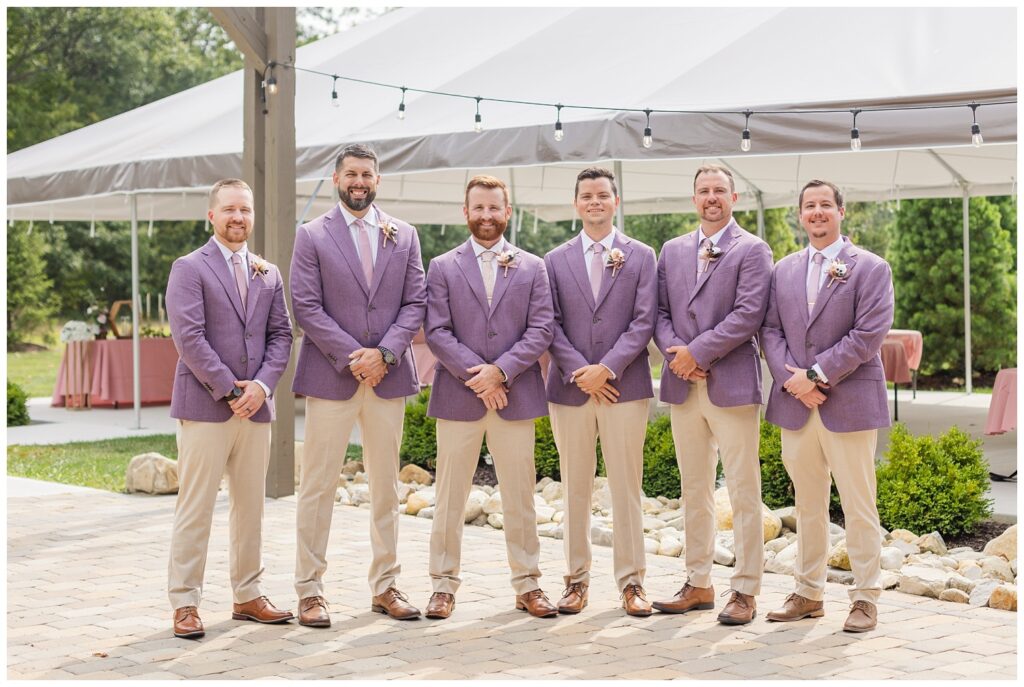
(488, 322)
(358, 294)
(230, 326)
(712, 293)
(599, 384)
(830, 307)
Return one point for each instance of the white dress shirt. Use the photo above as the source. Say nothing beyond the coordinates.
(372, 227)
(242, 252)
(831, 252)
(588, 257)
(715, 238)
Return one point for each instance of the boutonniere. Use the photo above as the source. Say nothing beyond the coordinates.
(710, 254)
(507, 259)
(838, 271)
(615, 259)
(390, 232)
(259, 265)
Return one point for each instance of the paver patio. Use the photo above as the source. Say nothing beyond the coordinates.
(86, 598)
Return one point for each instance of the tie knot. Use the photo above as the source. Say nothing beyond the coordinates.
(597, 248)
(236, 258)
(818, 258)
(706, 243)
(487, 255)
(360, 224)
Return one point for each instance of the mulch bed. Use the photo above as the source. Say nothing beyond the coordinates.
(982, 534)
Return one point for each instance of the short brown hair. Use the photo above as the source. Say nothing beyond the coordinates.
(360, 150)
(226, 183)
(487, 181)
(814, 183)
(595, 173)
(712, 169)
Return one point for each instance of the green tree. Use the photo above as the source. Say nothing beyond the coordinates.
(778, 232)
(871, 225)
(926, 255)
(30, 299)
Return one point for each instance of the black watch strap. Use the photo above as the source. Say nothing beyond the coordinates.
(389, 357)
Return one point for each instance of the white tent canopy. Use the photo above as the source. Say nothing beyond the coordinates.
(168, 153)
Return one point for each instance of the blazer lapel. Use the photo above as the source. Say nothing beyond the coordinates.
(725, 243)
(385, 249)
(578, 267)
(688, 256)
(848, 255)
(466, 261)
(256, 285)
(623, 243)
(337, 228)
(503, 279)
(215, 259)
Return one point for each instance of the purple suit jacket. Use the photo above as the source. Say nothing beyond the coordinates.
(218, 343)
(843, 335)
(717, 315)
(463, 332)
(614, 330)
(339, 312)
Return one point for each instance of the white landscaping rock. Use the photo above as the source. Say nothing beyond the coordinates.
(496, 520)
(151, 473)
(922, 581)
(600, 536)
(889, 580)
(983, 591)
(650, 545)
(1004, 598)
(970, 569)
(549, 529)
(677, 523)
(552, 492)
(723, 556)
(955, 595)
(996, 567)
(932, 543)
(787, 516)
(360, 478)
(544, 514)
(906, 547)
(903, 535)
(723, 509)
(427, 513)
(960, 583)
(839, 576)
(772, 524)
(342, 497)
(839, 557)
(776, 545)
(419, 500)
(479, 521)
(543, 482)
(602, 498)
(493, 504)
(475, 505)
(652, 506)
(892, 558)
(1004, 545)
(783, 561)
(404, 489)
(670, 546)
(651, 524)
(360, 493)
(414, 473)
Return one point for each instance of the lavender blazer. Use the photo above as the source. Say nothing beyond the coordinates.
(218, 343)
(843, 335)
(716, 315)
(614, 330)
(339, 312)
(463, 332)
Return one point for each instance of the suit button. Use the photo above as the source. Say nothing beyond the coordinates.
(596, 320)
(491, 335)
(693, 316)
(810, 345)
(242, 360)
(366, 333)
(372, 308)
(248, 335)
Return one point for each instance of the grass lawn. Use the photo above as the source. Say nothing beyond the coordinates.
(35, 371)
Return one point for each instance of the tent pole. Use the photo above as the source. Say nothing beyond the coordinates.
(967, 291)
(512, 202)
(309, 204)
(136, 385)
(620, 214)
(760, 215)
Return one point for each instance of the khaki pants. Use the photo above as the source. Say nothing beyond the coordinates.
(328, 428)
(809, 454)
(622, 428)
(205, 451)
(458, 451)
(701, 432)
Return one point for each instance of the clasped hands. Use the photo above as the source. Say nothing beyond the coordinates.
(804, 390)
(367, 365)
(488, 384)
(251, 400)
(593, 381)
(684, 365)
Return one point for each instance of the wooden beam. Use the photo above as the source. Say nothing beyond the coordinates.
(246, 31)
(254, 151)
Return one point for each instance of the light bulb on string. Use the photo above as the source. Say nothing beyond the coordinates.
(648, 138)
(272, 85)
(855, 133)
(745, 137)
(334, 94)
(559, 133)
(401, 106)
(976, 138)
(478, 123)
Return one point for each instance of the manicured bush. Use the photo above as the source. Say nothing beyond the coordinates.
(545, 453)
(929, 484)
(17, 410)
(419, 438)
(661, 472)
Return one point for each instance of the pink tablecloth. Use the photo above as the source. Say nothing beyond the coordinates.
(913, 345)
(894, 362)
(111, 374)
(1002, 410)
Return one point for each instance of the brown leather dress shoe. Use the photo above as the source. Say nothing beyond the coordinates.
(863, 617)
(574, 598)
(740, 610)
(536, 604)
(187, 624)
(634, 600)
(313, 612)
(689, 598)
(395, 604)
(262, 611)
(441, 605)
(796, 607)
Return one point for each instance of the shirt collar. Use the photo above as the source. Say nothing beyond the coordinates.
(718, 235)
(243, 252)
(831, 251)
(607, 242)
(370, 219)
(500, 247)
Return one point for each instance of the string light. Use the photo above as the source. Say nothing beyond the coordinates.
(401, 105)
(976, 138)
(334, 93)
(648, 139)
(478, 124)
(559, 133)
(855, 133)
(745, 138)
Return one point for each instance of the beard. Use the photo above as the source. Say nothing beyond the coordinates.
(487, 234)
(356, 205)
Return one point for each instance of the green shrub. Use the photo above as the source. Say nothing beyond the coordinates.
(419, 440)
(776, 486)
(929, 484)
(545, 453)
(17, 410)
(661, 472)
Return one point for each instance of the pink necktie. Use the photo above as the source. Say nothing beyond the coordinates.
(702, 262)
(596, 270)
(814, 282)
(240, 280)
(365, 254)
(488, 273)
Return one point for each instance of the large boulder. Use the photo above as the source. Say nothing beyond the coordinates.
(723, 509)
(970, 569)
(360, 494)
(602, 498)
(932, 543)
(543, 482)
(1004, 545)
(151, 473)
(475, 505)
(670, 546)
(404, 489)
(414, 473)
(996, 567)
(600, 536)
(839, 557)
(771, 523)
(553, 492)
(906, 547)
(961, 583)
(496, 520)
(902, 535)
(342, 497)
(982, 592)
(544, 514)
(550, 529)
(787, 516)
(955, 595)
(922, 581)
(350, 468)
(419, 500)
(783, 561)
(723, 556)
(493, 504)
(892, 558)
(1003, 597)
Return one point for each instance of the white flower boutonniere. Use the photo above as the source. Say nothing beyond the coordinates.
(615, 259)
(259, 265)
(838, 271)
(390, 232)
(507, 260)
(710, 254)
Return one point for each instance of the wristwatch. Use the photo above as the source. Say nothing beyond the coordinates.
(389, 357)
(812, 375)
